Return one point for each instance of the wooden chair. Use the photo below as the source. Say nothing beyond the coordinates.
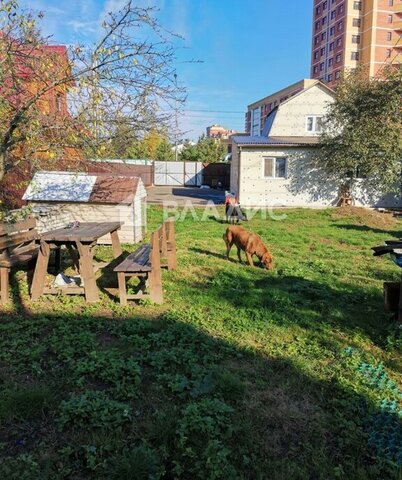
(17, 246)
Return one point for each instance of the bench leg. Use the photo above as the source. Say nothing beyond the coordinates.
(121, 278)
(155, 275)
(171, 252)
(4, 284)
(38, 281)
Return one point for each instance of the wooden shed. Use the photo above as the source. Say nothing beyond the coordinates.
(59, 198)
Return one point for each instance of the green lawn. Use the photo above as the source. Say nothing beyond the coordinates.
(242, 373)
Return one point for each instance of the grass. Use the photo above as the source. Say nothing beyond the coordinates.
(242, 373)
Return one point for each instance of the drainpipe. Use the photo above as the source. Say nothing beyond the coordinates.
(239, 174)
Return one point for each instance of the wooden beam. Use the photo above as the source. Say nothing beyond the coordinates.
(38, 282)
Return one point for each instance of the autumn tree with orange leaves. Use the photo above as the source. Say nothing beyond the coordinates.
(126, 78)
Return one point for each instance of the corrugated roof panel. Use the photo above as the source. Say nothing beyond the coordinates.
(286, 141)
(60, 186)
(81, 188)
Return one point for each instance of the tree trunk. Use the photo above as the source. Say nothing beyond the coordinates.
(3, 155)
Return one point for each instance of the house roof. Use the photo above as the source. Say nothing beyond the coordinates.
(82, 188)
(275, 141)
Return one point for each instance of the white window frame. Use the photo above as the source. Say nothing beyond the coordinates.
(314, 117)
(278, 157)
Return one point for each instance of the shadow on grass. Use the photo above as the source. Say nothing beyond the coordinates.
(365, 228)
(196, 404)
(209, 253)
(295, 300)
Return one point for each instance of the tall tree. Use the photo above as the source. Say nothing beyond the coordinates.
(206, 150)
(362, 138)
(126, 77)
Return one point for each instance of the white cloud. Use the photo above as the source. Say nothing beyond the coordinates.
(84, 27)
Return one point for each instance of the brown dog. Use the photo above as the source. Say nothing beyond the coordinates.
(250, 243)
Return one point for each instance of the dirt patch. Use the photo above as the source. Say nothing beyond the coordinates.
(364, 216)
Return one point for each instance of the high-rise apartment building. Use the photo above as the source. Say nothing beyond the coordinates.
(350, 33)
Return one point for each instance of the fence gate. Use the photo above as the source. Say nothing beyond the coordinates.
(178, 173)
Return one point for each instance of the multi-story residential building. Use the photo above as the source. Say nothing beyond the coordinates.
(258, 111)
(217, 131)
(350, 33)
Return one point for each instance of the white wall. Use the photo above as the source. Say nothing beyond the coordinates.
(290, 119)
(300, 188)
(57, 215)
(304, 186)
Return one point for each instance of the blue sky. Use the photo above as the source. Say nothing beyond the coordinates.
(248, 49)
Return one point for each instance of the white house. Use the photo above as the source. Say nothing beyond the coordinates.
(275, 169)
(59, 198)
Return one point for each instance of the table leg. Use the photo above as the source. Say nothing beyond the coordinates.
(87, 273)
(38, 281)
(117, 251)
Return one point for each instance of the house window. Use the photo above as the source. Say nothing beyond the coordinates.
(357, 22)
(314, 123)
(323, 51)
(317, 26)
(275, 167)
(332, 31)
(330, 62)
(318, 10)
(324, 20)
(355, 38)
(333, 14)
(388, 54)
(324, 5)
(339, 42)
(330, 77)
(338, 58)
(355, 56)
(340, 26)
(341, 9)
(357, 5)
(323, 35)
(316, 55)
(321, 66)
(331, 46)
(256, 121)
(315, 70)
(390, 3)
(316, 40)
(390, 17)
(389, 36)
(338, 75)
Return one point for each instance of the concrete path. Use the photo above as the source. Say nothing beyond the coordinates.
(184, 195)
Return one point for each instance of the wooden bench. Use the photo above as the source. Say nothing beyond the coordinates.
(17, 246)
(146, 263)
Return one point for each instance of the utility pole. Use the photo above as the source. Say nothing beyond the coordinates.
(176, 121)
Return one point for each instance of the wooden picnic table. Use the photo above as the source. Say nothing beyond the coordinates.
(80, 242)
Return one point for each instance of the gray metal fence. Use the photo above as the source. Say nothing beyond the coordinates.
(189, 174)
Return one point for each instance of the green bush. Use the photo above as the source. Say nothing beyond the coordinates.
(93, 409)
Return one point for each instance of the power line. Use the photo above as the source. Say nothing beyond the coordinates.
(214, 111)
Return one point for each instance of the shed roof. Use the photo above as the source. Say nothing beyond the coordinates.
(275, 141)
(82, 188)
